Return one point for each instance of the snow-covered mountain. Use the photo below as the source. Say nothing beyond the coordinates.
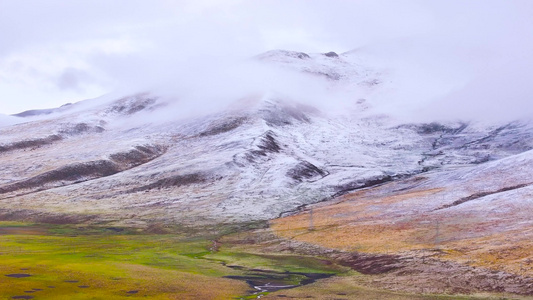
(127, 160)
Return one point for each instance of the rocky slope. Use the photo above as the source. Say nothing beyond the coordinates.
(118, 159)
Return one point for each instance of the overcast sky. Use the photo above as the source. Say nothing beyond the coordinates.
(55, 51)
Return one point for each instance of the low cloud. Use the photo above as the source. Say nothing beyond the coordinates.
(73, 79)
(448, 59)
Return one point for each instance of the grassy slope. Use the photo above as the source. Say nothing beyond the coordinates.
(157, 266)
(348, 287)
(360, 223)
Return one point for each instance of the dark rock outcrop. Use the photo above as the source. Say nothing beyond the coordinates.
(32, 144)
(173, 181)
(306, 171)
(331, 54)
(228, 125)
(80, 172)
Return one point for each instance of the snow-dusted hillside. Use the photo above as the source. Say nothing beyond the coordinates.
(120, 159)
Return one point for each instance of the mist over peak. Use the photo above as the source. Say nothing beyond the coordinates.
(397, 79)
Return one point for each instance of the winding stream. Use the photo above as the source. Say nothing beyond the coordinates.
(263, 281)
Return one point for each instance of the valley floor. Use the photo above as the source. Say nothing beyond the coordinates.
(243, 261)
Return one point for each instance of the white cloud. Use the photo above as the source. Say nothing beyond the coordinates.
(58, 51)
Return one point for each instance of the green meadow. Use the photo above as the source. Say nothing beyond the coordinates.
(43, 261)
(83, 262)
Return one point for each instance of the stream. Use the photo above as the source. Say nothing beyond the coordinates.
(263, 281)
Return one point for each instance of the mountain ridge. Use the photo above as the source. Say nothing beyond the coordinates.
(252, 161)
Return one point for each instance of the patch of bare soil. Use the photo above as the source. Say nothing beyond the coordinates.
(29, 230)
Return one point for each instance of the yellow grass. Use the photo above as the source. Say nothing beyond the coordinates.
(361, 223)
(349, 287)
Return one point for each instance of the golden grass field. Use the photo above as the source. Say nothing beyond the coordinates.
(350, 287)
(372, 224)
